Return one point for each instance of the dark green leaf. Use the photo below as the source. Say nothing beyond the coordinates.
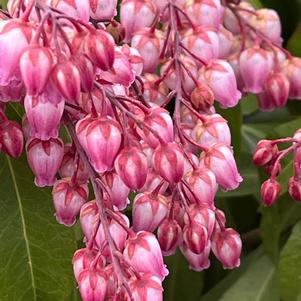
(35, 252)
(289, 270)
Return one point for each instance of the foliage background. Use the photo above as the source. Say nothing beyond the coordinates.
(36, 252)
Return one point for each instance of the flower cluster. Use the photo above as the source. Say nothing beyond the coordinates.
(108, 84)
(268, 156)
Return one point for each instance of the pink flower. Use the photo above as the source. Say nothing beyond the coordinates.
(265, 152)
(44, 113)
(168, 162)
(212, 129)
(131, 166)
(294, 188)
(44, 159)
(220, 77)
(99, 46)
(197, 262)
(136, 14)
(149, 43)
(92, 285)
(11, 138)
(159, 121)
(195, 237)
(89, 218)
(203, 42)
(101, 140)
(219, 158)
(202, 186)
(35, 66)
(254, 69)
(68, 198)
(143, 252)
(277, 89)
(292, 70)
(148, 211)
(270, 190)
(103, 10)
(225, 38)
(169, 236)
(226, 246)
(205, 12)
(147, 287)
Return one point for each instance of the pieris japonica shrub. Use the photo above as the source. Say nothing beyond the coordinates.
(108, 81)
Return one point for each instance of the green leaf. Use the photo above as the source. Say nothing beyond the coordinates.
(289, 269)
(182, 283)
(294, 44)
(256, 283)
(35, 252)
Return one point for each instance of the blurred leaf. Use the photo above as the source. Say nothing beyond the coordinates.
(254, 281)
(275, 220)
(293, 43)
(35, 252)
(182, 283)
(256, 3)
(289, 270)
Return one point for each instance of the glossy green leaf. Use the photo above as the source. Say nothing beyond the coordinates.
(35, 252)
(289, 270)
(255, 283)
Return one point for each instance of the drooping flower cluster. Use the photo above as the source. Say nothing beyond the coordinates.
(108, 84)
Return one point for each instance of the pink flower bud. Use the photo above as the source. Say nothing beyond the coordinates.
(203, 42)
(99, 46)
(101, 140)
(220, 77)
(44, 159)
(202, 186)
(92, 285)
(292, 70)
(44, 113)
(213, 129)
(136, 14)
(152, 182)
(82, 260)
(226, 246)
(149, 210)
(86, 71)
(219, 158)
(89, 217)
(17, 33)
(254, 68)
(160, 121)
(14, 91)
(202, 215)
(66, 79)
(103, 10)
(197, 262)
(68, 198)
(168, 162)
(277, 89)
(202, 97)
(135, 59)
(265, 152)
(131, 166)
(147, 287)
(195, 237)
(143, 252)
(35, 66)
(207, 12)
(270, 190)
(294, 188)
(118, 191)
(169, 236)
(118, 233)
(149, 43)
(11, 138)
